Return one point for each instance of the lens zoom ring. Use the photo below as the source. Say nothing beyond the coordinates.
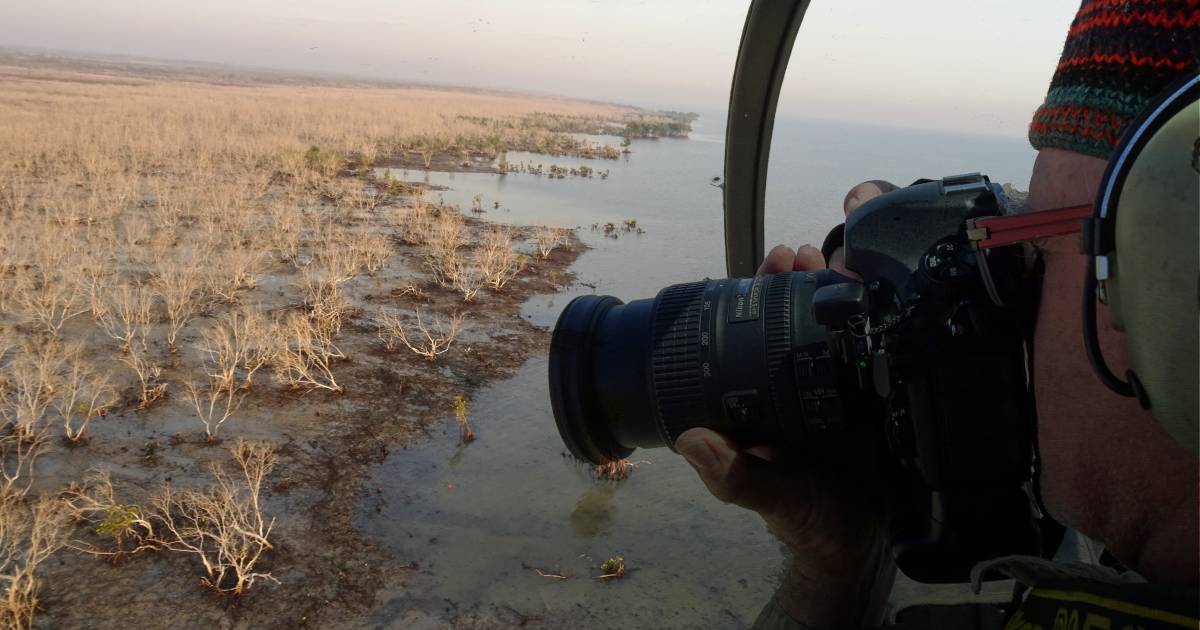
(779, 342)
(675, 362)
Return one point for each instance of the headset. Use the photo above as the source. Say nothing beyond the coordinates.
(1143, 260)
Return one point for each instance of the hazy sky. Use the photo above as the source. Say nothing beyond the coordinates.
(970, 66)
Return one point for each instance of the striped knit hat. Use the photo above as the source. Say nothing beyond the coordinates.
(1119, 54)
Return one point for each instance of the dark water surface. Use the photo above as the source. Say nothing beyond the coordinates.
(482, 518)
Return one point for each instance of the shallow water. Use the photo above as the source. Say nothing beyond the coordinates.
(480, 519)
(483, 517)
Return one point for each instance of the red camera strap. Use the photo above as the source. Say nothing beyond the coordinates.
(989, 232)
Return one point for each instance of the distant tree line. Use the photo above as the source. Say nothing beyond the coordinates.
(658, 124)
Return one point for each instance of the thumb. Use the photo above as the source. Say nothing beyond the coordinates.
(735, 476)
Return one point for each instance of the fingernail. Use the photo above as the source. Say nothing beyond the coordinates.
(700, 455)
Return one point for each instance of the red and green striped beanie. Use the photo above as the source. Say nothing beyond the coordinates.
(1119, 54)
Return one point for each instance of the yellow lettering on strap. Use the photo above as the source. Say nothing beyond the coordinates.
(1128, 608)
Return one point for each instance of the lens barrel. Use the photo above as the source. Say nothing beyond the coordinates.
(742, 355)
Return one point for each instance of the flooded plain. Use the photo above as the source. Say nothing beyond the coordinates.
(489, 524)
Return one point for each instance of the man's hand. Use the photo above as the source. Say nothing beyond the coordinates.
(824, 502)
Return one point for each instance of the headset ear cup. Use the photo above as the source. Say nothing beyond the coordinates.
(1148, 220)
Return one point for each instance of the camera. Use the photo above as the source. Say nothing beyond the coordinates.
(925, 353)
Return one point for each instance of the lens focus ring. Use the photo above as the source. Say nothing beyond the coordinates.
(675, 362)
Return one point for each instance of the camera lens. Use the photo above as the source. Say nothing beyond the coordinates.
(743, 356)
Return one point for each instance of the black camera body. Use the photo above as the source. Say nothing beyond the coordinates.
(924, 358)
(948, 353)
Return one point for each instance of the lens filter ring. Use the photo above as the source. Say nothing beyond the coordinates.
(577, 411)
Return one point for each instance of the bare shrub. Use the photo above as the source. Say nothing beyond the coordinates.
(49, 300)
(429, 340)
(33, 376)
(411, 288)
(284, 232)
(148, 372)
(170, 207)
(327, 307)
(178, 285)
(328, 313)
(26, 403)
(95, 278)
(373, 251)
(337, 258)
(235, 347)
(83, 395)
(446, 233)
(466, 277)
(443, 268)
(129, 527)
(17, 455)
(360, 196)
(236, 269)
(444, 238)
(29, 535)
(304, 356)
(498, 259)
(415, 223)
(214, 405)
(454, 271)
(549, 239)
(336, 262)
(223, 526)
(127, 313)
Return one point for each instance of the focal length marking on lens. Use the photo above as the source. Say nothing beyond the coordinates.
(706, 333)
(708, 340)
